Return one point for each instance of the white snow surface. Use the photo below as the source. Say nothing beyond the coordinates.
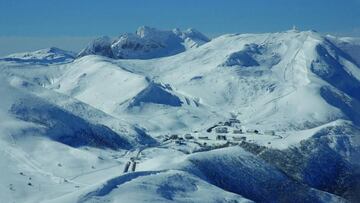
(69, 126)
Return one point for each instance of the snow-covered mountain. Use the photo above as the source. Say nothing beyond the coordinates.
(146, 43)
(43, 56)
(271, 117)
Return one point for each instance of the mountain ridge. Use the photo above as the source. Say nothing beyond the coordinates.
(145, 43)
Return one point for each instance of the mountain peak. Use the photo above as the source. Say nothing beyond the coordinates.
(99, 46)
(144, 31)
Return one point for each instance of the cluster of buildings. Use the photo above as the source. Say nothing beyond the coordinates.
(233, 126)
(230, 130)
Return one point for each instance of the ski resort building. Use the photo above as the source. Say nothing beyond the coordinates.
(232, 122)
(239, 138)
(203, 137)
(269, 132)
(221, 130)
(188, 136)
(174, 137)
(238, 131)
(221, 137)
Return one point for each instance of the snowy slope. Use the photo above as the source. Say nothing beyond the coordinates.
(30, 151)
(99, 83)
(169, 186)
(48, 139)
(51, 120)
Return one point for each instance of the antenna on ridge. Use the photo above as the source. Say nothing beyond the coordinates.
(294, 28)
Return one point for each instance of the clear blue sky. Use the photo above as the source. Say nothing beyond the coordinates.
(32, 24)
